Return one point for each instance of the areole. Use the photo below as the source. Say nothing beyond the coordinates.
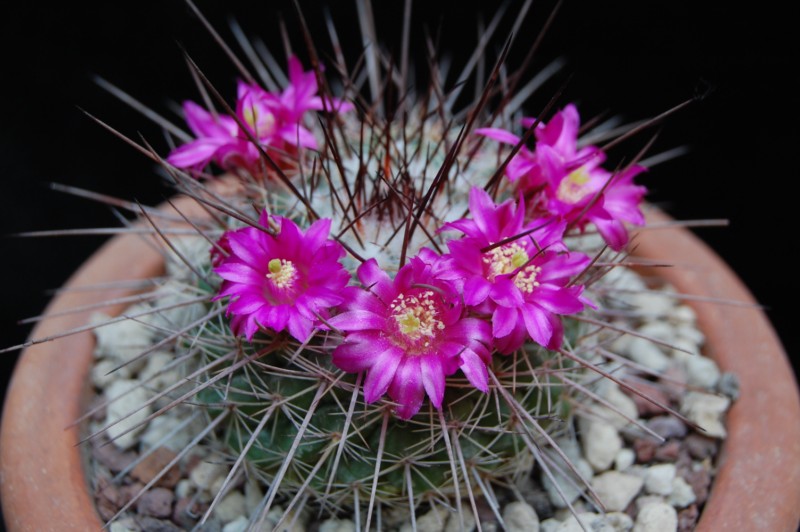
(43, 483)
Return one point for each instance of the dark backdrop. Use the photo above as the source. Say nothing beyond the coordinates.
(635, 59)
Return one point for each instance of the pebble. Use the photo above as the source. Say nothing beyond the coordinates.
(656, 517)
(434, 520)
(706, 410)
(240, 524)
(651, 390)
(154, 373)
(700, 480)
(253, 496)
(652, 304)
(180, 315)
(454, 524)
(585, 521)
(204, 474)
(601, 443)
(673, 382)
(107, 499)
(337, 525)
(520, 517)
(683, 315)
(105, 371)
(292, 523)
(659, 479)
(152, 524)
(702, 372)
(659, 330)
(690, 333)
(668, 452)
(645, 449)
(624, 279)
(620, 521)
(700, 447)
(687, 518)
(623, 408)
(682, 494)
(125, 414)
(643, 501)
(549, 525)
(667, 427)
(127, 524)
(645, 352)
(728, 385)
(156, 502)
(624, 459)
(123, 341)
(187, 511)
(159, 428)
(616, 490)
(230, 507)
(152, 465)
(571, 489)
(112, 457)
(185, 488)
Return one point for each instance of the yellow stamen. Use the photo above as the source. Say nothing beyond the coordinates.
(508, 259)
(416, 316)
(526, 279)
(572, 188)
(281, 272)
(505, 259)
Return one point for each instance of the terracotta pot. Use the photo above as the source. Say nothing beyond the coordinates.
(42, 479)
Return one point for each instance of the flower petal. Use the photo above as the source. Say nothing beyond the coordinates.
(381, 373)
(433, 379)
(407, 388)
(475, 370)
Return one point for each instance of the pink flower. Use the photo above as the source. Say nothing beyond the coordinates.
(409, 334)
(523, 167)
(561, 179)
(587, 193)
(269, 120)
(216, 135)
(282, 281)
(523, 283)
(273, 120)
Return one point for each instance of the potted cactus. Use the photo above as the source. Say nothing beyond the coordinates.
(379, 311)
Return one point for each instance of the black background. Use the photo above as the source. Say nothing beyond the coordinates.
(634, 59)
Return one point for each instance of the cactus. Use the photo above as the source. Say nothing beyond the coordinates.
(388, 305)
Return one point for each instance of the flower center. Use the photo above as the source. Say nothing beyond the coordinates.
(505, 259)
(261, 124)
(281, 272)
(416, 316)
(572, 188)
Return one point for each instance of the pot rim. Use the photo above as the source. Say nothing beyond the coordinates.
(762, 447)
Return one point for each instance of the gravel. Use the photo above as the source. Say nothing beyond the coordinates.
(647, 483)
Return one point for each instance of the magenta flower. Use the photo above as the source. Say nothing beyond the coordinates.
(561, 179)
(216, 136)
(523, 283)
(523, 167)
(409, 334)
(273, 120)
(589, 194)
(281, 281)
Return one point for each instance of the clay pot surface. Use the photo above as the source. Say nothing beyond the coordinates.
(44, 487)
